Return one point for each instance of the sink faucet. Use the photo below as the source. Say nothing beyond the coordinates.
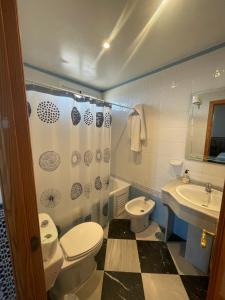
(208, 190)
(208, 187)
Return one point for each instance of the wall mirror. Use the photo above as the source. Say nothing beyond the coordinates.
(206, 127)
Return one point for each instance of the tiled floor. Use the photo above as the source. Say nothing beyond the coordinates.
(139, 266)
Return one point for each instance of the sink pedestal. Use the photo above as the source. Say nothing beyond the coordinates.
(197, 218)
(194, 253)
(198, 256)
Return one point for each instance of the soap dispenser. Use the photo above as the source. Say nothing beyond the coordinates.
(185, 178)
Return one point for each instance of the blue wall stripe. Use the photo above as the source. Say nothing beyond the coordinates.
(162, 68)
(62, 77)
(157, 70)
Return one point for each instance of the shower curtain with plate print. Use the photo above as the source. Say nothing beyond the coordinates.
(71, 140)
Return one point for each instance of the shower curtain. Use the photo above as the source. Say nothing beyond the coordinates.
(71, 140)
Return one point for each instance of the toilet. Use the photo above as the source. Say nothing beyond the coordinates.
(139, 210)
(70, 261)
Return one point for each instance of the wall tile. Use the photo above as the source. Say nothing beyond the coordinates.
(167, 112)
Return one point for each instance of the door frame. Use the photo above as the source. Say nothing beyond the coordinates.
(16, 166)
(217, 274)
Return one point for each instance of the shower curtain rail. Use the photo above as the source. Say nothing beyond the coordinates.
(76, 92)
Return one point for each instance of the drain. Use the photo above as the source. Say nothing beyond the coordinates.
(142, 210)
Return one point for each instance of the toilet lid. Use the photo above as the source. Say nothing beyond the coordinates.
(81, 239)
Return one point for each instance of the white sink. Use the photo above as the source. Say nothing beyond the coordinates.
(197, 195)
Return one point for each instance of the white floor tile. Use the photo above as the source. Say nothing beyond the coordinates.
(149, 233)
(184, 267)
(122, 256)
(163, 287)
(92, 289)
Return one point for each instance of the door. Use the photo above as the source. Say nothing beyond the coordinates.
(216, 289)
(16, 168)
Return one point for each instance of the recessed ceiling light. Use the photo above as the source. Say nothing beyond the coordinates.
(106, 45)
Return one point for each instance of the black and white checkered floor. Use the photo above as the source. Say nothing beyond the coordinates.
(139, 266)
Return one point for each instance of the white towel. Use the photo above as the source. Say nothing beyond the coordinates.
(136, 128)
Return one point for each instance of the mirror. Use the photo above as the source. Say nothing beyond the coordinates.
(206, 127)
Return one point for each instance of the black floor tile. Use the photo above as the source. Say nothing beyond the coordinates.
(122, 285)
(100, 257)
(196, 286)
(155, 258)
(120, 229)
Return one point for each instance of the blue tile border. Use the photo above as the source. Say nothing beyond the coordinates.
(62, 77)
(151, 72)
(170, 65)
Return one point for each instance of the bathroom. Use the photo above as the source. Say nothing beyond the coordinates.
(118, 125)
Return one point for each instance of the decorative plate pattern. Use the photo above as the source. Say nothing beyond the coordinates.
(48, 112)
(88, 117)
(87, 190)
(88, 157)
(49, 161)
(106, 155)
(28, 108)
(98, 155)
(98, 183)
(99, 119)
(75, 116)
(108, 120)
(75, 158)
(76, 190)
(50, 198)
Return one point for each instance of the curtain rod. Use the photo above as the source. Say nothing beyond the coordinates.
(76, 92)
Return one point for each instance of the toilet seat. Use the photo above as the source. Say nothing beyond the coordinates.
(81, 240)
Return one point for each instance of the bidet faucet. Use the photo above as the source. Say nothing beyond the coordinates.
(208, 187)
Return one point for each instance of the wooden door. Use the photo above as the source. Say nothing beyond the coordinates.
(16, 167)
(216, 289)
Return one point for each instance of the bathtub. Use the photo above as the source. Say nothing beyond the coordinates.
(119, 193)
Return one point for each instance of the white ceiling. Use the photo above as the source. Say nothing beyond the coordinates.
(65, 37)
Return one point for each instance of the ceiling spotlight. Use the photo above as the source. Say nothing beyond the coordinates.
(106, 45)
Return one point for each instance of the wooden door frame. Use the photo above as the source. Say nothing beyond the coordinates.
(16, 166)
(218, 259)
(212, 105)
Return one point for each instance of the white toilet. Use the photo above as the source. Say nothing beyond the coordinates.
(139, 210)
(71, 260)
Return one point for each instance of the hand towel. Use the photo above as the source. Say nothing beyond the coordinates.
(136, 128)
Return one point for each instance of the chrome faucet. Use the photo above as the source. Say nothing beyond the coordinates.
(208, 190)
(208, 187)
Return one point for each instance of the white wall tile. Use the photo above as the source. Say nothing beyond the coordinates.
(166, 111)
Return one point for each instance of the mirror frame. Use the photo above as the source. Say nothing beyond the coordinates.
(212, 105)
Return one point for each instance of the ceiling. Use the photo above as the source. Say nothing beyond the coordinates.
(65, 37)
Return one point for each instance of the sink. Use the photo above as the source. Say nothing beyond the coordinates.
(197, 195)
